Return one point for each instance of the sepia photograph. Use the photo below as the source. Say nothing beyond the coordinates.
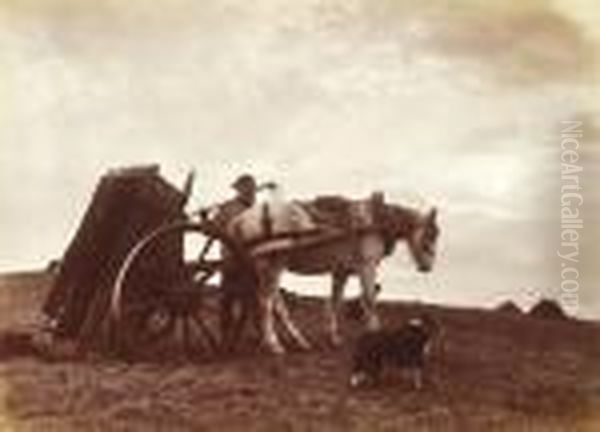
(308, 215)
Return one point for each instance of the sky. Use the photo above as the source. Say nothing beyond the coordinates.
(454, 104)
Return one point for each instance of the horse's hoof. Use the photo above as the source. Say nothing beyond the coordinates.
(336, 340)
(304, 345)
(274, 349)
(373, 324)
(277, 351)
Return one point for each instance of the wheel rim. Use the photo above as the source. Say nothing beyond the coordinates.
(182, 310)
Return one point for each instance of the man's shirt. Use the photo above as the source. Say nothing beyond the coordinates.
(228, 210)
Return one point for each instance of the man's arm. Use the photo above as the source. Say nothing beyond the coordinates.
(267, 186)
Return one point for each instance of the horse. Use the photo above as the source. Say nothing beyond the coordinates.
(312, 238)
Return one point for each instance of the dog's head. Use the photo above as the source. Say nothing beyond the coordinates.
(429, 327)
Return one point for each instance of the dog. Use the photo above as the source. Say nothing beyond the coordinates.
(406, 347)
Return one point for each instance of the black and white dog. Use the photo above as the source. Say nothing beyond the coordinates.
(406, 347)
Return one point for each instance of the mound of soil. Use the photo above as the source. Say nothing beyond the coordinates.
(509, 307)
(548, 309)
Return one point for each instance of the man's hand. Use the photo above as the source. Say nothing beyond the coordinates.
(203, 213)
(269, 185)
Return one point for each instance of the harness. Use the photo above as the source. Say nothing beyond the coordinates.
(266, 221)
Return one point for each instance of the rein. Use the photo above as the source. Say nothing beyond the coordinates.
(311, 238)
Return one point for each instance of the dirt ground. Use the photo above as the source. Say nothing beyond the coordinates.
(492, 371)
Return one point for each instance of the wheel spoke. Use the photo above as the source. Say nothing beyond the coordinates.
(139, 308)
(206, 248)
(188, 347)
(206, 331)
(206, 266)
(205, 277)
(148, 336)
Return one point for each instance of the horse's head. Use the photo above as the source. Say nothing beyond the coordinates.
(422, 240)
(419, 230)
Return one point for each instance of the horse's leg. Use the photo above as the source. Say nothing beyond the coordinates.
(338, 282)
(271, 339)
(267, 288)
(284, 315)
(368, 276)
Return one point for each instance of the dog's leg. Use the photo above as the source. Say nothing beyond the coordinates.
(417, 378)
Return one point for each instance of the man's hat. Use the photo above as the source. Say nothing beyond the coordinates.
(244, 181)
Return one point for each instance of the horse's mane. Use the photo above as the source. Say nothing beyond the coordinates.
(395, 222)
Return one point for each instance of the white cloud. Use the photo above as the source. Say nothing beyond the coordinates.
(321, 101)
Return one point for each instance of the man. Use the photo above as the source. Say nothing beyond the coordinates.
(246, 189)
(237, 284)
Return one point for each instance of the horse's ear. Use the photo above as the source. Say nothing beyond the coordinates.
(432, 214)
(378, 197)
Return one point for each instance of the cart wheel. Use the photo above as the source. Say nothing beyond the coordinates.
(163, 306)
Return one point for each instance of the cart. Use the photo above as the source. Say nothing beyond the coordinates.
(124, 284)
(162, 300)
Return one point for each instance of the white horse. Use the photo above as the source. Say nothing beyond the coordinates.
(290, 236)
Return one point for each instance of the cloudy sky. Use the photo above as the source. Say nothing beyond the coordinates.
(456, 104)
